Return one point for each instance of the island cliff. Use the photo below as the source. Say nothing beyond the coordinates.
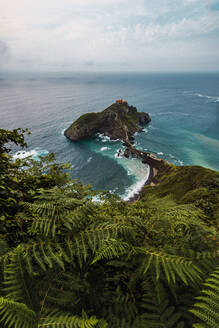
(118, 121)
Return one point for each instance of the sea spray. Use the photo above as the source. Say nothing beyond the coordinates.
(34, 153)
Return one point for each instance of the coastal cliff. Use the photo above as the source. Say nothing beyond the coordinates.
(118, 121)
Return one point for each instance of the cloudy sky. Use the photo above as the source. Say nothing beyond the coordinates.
(109, 35)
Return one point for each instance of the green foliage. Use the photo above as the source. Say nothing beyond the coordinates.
(17, 315)
(20, 180)
(87, 118)
(66, 260)
(207, 309)
(170, 265)
(159, 312)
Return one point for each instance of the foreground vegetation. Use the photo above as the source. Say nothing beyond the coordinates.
(67, 261)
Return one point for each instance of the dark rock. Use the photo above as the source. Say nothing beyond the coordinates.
(144, 118)
(127, 153)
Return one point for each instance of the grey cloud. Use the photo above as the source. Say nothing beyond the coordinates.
(4, 51)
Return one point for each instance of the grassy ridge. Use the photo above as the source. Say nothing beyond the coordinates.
(188, 184)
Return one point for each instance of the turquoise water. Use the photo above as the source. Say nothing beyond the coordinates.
(184, 109)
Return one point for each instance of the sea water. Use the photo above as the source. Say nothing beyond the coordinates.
(184, 128)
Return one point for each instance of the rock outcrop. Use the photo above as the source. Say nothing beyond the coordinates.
(118, 121)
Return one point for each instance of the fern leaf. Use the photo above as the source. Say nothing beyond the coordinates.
(111, 249)
(207, 309)
(158, 310)
(172, 265)
(16, 279)
(16, 315)
(65, 320)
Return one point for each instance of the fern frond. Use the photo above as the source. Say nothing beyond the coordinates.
(205, 260)
(45, 254)
(207, 309)
(51, 208)
(66, 289)
(16, 315)
(90, 240)
(158, 310)
(170, 265)
(111, 249)
(16, 279)
(58, 319)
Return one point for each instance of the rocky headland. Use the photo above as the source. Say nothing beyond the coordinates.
(118, 121)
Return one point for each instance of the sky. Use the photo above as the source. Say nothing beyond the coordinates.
(109, 35)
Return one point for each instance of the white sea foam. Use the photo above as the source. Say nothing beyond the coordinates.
(104, 148)
(160, 153)
(89, 159)
(175, 113)
(133, 166)
(213, 98)
(136, 188)
(180, 162)
(106, 138)
(34, 153)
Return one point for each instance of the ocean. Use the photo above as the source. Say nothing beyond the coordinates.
(184, 128)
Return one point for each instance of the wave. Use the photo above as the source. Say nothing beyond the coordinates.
(180, 162)
(174, 112)
(89, 159)
(104, 148)
(200, 95)
(104, 138)
(34, 153)
(138, 185)
(170, 158)
(145, 130)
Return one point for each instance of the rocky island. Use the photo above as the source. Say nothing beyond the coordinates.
(118, 121)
